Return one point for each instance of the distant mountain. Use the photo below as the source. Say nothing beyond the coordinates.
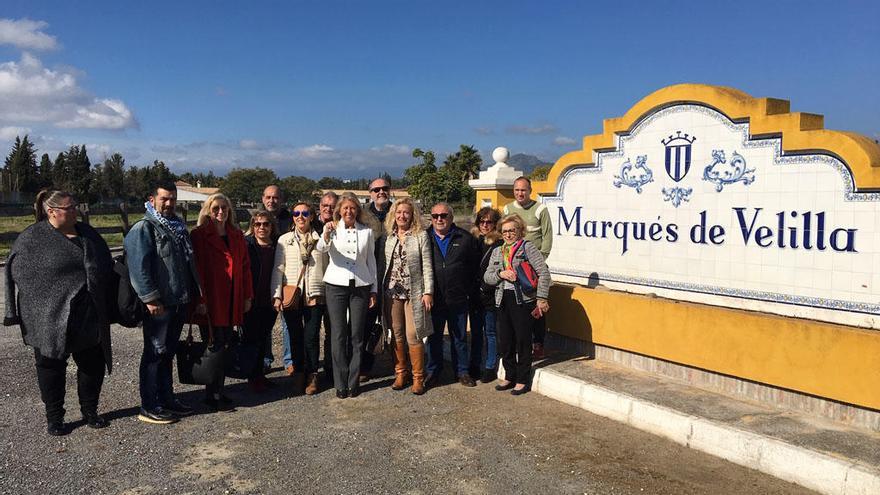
(526, 163)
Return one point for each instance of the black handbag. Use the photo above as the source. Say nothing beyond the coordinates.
(200, 363)
(242, 358)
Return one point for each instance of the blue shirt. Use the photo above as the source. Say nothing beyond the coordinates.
(443, 244)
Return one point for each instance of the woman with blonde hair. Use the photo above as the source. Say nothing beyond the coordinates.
(519, 302)
(223, 265)
(408, 285)
(298, 263)
(350, 288)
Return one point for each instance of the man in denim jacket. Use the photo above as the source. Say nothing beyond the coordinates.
(163, 274)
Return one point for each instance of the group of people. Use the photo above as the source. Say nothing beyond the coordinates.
(358, 271)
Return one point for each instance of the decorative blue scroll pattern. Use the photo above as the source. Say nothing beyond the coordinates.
(677, 194)
(723, 174)
(634, 176)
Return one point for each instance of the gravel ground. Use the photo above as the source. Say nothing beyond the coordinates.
(452, 440)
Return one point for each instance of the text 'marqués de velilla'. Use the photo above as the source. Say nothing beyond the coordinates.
(783, 230)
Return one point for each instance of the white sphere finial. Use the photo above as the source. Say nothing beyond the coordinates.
(500, 154)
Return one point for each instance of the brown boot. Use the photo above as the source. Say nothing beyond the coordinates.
(417, 356)
(299, 381)
(312, 384)
(401, 367)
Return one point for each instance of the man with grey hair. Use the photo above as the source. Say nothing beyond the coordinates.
(378, 208)
(326, 206)
(456, 261)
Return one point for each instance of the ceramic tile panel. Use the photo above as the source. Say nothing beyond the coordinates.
(699, 211)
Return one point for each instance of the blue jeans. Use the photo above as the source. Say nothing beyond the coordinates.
(161, 336)
(455, 319)
(286, 348)
(484, 321)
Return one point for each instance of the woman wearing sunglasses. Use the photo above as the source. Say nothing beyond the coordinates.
(298, 263)
(227, 288)
(58, 277)
(520, 302)
(259, 321)
(483, 315)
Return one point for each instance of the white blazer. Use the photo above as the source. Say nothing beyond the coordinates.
(352, 256)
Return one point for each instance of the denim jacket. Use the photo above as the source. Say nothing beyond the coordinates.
(158, 269)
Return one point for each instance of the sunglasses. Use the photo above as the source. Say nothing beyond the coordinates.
(258, 225)
(65, 208)
(487, 222)
(509, 231)
(435, 216)
(296, 213)
(377, 189)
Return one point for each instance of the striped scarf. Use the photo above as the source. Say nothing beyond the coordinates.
(175, 226)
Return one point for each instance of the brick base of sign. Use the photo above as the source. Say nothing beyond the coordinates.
(772, 396)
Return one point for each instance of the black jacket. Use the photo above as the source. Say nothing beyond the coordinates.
(256, 268)
(487, 292)
(456, 277)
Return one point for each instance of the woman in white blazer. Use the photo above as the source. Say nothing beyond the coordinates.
(350, 287)
(296, 252)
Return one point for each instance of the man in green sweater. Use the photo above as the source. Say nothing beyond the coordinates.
(539, 231)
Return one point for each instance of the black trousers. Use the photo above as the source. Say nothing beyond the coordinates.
(52, 379)
(347, 334)
(515, 325)
(258, 324)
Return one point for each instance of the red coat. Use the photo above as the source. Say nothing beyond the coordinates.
(225, 274)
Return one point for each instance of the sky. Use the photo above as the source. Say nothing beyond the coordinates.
(350, 88)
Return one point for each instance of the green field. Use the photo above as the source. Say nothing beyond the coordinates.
(19, 223)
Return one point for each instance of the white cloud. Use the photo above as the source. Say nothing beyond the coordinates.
(315, 151)
(248, 144)
(30, 92)
(541, 129)
(564, 141)
(392, 149)
(26, 34)
(9, 133)
(484, 131)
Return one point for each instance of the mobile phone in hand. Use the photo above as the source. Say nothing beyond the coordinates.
(537, 313)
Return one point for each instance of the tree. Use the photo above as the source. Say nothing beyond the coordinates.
(110, 178)
(44, 173)
(298, 188)
(466, 162)
(206, 180)
(80, 176)
(60, 172)
(540, 172)
(20, 171)
(247, 184)
(331, 183)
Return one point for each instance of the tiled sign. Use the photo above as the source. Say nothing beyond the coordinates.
(688, 206)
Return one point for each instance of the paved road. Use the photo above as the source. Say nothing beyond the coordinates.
(452, 440)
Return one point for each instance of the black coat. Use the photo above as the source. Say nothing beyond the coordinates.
(456, 276)
(487, 292)
(256, 267)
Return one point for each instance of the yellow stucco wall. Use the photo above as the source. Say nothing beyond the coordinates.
(499, 198)
(830, 361)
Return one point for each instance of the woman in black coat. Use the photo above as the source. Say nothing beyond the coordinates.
(483, 314)
(258, 322)
(58, 276)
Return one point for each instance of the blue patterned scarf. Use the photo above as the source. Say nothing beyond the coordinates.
(174, 225)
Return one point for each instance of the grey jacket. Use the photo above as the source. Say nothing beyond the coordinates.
(58, 292)
(158, 269)
(527, 251)
(421, 278)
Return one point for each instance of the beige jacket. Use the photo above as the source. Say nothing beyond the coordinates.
(421, 277)
(288, 263)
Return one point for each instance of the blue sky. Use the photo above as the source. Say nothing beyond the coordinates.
(350, 88)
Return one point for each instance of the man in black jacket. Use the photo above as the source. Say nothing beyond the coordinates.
(456, 258)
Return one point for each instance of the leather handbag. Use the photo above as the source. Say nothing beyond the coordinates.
(200, 363)
(242, 358)
(291, 295)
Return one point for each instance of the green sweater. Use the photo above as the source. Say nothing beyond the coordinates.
(539, 230)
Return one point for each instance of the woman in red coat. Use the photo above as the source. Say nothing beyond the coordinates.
(227, 289)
